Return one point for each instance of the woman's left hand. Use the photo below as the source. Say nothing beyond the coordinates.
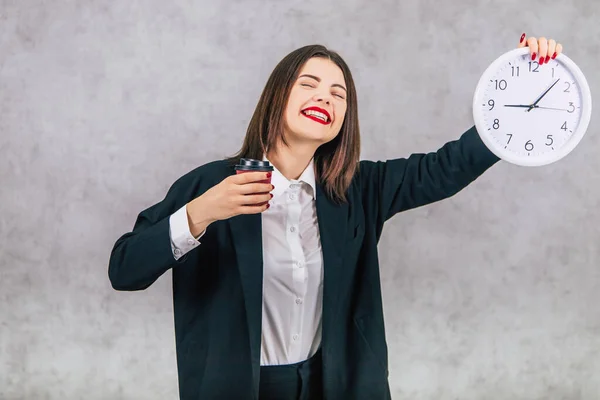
(542, 48)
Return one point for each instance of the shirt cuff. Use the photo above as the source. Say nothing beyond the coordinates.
(182, 240)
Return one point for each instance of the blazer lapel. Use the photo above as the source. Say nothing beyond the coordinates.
(333, 222)
(246, 230)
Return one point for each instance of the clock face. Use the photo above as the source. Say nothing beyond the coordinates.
(531, 114)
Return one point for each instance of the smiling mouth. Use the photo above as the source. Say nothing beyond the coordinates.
(316, 116)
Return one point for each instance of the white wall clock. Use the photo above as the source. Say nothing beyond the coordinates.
(530, 114)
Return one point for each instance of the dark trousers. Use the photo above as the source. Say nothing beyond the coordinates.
(300, 381)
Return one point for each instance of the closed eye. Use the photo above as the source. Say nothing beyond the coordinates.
(312, 86)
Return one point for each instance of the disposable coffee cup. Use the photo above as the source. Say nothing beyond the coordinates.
(250, 165)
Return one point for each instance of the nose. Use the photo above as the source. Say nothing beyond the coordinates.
(323, 98)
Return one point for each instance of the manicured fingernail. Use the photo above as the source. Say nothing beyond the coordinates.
(268, 174)
(554, 56)
(533, 56)
(547, 59)
(541, 60)
(522, 38)
(271, 195)
(268, 205)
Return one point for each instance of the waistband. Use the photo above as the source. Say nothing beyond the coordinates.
(312, 363)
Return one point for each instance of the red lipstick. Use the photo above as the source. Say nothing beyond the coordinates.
(316, 119)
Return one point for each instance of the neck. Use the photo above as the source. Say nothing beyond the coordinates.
(291, 160)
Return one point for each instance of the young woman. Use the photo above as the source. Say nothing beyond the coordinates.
(276, 285)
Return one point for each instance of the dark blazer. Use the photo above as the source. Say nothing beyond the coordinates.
(217, 287)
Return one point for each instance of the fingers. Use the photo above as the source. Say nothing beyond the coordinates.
(254, 199)
(248, 177)
(533, 47)
(522, 42)
(249, 188)
(543, 50)
(558, 50)
(551, 50)
(248, 192)
(253, 209)
(252, 204)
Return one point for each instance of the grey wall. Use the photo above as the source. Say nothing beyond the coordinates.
(488, 295)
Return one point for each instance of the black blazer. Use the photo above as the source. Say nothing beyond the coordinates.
(217, 287)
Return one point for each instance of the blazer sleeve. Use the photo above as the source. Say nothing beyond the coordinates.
(141, 256)
(401, 184)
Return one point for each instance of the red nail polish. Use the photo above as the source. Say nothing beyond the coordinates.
(541, 60)
(268, 205)
(547, 59)
(522, 38)
(533, 56)
(554, 56)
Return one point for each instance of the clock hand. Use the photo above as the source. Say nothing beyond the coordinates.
(534, 106)
(542, 95)
(551, 108)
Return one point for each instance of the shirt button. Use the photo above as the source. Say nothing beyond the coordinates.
(292, 197)
(299, 264)
(191, 241)
(177, 252)
(298, 301)
(295, 337)
(293, 229)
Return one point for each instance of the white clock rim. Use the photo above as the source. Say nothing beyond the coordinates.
(586, 112)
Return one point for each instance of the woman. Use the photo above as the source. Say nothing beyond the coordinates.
(284, 302)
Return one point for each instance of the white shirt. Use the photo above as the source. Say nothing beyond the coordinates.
(292, 268)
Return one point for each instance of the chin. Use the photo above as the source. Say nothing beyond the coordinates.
(315, 137)
(310, 134)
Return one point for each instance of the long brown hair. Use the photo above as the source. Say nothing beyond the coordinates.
(335, 161)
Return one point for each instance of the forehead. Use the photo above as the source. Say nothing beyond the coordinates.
(323, 68)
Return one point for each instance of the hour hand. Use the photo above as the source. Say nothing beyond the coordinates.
(518, 105)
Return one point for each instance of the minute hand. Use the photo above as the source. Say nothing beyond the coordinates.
(543, 94)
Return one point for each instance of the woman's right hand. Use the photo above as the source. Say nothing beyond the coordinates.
(234, 195)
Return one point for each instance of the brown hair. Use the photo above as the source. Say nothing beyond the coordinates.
(335, 161)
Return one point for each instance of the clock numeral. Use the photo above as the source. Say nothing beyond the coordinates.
(496, 124)
(564, 126)
(568, 87)
(501, 84)
(529, 145)
(553, 72)
(549, 137)
(491, 103)
(571, 105)
(509, 137)
(537, 65)
(515, 69)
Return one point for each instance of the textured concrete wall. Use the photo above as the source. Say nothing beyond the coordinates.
(491, 294)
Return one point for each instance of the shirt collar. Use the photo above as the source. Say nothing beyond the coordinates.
(281, 183)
